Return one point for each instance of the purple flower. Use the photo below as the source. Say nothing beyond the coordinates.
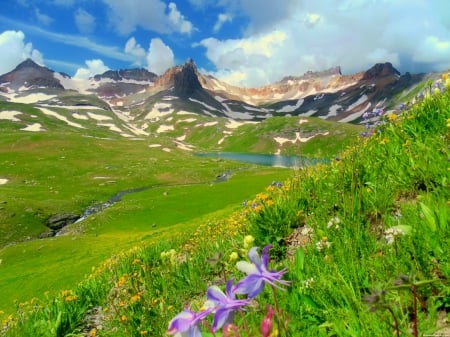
(187, 322)
(257, 274)
(224, 304)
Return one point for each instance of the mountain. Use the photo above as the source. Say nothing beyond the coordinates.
(137, 96)
(29, 75)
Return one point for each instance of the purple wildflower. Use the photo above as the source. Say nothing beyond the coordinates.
(224, 304)
(187, 322)
(258, 274)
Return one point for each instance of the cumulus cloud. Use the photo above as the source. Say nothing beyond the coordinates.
(94, 67)
(152, 15)
(14, 50)
(221, 19)
(134, 49)
(84, 21)
(316, 35)
(160, 57)
(243, 61)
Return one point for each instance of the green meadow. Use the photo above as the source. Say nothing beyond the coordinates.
(358, 246)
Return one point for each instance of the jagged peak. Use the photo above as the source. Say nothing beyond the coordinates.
(380, 70)
(314, 74)
(128, 74)
(186, 80)
(28, 63)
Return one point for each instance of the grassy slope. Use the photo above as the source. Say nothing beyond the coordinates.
(397, 177)
(65, 171)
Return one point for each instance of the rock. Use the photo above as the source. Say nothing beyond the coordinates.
(46, 235)
(58, 221)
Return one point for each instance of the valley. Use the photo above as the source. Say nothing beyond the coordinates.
(67, 146)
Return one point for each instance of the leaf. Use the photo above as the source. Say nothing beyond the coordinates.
(404, 228)
(300, 259)
(429, 217)
(308, 300)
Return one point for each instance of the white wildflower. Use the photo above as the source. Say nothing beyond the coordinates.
(392, 233)
(308, 283)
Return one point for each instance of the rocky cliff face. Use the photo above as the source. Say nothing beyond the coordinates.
(380, 70)
(186, 80)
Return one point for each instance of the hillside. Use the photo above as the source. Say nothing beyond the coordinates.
(361, 241)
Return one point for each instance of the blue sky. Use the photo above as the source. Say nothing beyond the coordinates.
(244, 42)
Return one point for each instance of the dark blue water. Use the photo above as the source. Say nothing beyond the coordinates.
(264, 159)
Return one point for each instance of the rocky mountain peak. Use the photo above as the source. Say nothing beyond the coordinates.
(380, 70)
(28, 64)
(31, 75)
(309, 75)
(127, 74)
(186, 80)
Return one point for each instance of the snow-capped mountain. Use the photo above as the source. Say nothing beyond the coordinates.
(136, 93)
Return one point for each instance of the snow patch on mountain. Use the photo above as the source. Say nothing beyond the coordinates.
(308, 113)
(291, 108)
(360, 101)
(98, 117)
(29, 99)
(80, 116)
(165, 128)
(159, 110)
(209, 107)
(36, 127)
(355, 115)
(60, 117)
(332, 112)
(10, 115)
(298, 138)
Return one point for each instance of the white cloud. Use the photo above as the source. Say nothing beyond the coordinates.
(84, 21)
(94, 67)
(154, 15)
(160, 57)
(221, 19)
(133, 48)
(316, 35)
(42, 18)
(14, 50)
(178, 21)
(249, 56)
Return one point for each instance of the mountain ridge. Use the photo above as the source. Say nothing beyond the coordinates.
(325, 94)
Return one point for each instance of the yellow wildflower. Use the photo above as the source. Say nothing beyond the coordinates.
(122, 280)
(248, 241)
(384, 141)
(392, 116)
(93, 332)
(233, 257)
(123, 318)
(135, 298)
(70, 298)
(445, 76)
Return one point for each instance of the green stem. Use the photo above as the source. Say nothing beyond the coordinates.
(280, 322)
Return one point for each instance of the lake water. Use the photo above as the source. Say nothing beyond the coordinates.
(264, 159)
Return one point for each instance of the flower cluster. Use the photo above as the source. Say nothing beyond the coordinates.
(334, 223)
(223, 305)
(392, 233)
(323, 244)
(372, 119)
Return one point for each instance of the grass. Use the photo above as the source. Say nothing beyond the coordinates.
(364, 240)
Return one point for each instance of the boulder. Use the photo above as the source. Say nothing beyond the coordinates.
(58, 221)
